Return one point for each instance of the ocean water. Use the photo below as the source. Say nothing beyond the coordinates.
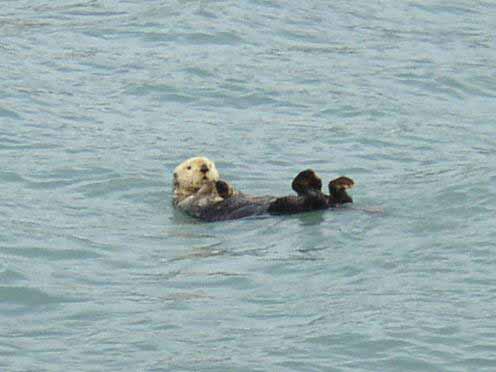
(100, 100)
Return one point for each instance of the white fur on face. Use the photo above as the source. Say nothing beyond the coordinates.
(192, 174)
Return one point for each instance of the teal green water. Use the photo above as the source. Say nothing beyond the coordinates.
(101, 99)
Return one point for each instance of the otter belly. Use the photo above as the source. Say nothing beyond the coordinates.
(235, 207)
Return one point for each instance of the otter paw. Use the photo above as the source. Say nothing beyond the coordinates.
(223, 189)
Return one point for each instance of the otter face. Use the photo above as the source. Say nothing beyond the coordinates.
(192, 174)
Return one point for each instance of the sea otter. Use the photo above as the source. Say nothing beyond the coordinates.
(199, 192)
(310, 197)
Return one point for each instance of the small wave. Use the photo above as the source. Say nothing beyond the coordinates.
(64, 177)
(164, 92)
(193, 38)
(9, 114)
(121, 187)
(11, 276)
(6, 176)
(28, 296)
(440, 8)
(53, 254)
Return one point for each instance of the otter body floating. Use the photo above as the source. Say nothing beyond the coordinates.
(199, 192)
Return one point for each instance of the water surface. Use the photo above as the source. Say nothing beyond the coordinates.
(101, 99)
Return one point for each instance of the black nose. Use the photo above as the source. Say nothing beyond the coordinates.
(204, 168)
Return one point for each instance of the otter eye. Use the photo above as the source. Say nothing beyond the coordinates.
(189, 167)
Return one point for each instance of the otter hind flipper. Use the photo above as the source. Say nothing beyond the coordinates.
(337, 190)
(307, 185)
(306, 180)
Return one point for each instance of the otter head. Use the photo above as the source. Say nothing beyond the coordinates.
(192, 174)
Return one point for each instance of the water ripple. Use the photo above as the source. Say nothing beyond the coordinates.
(50, 253)
(101, 100)
(30, 297)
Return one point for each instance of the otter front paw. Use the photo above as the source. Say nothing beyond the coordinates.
(223, 189)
